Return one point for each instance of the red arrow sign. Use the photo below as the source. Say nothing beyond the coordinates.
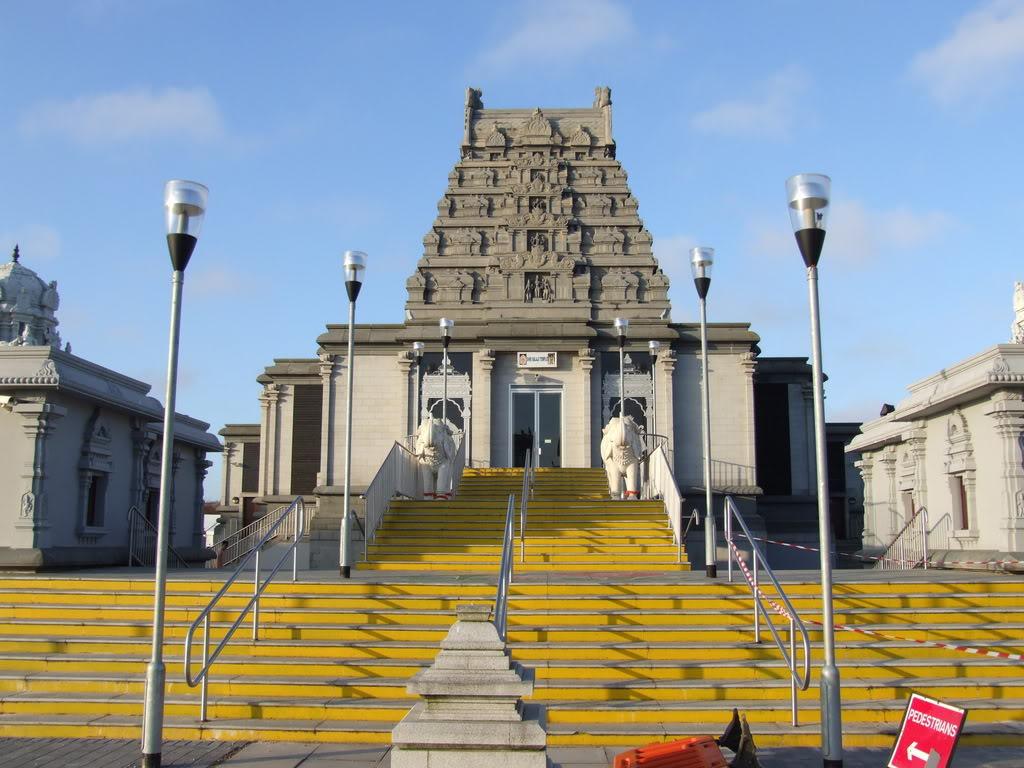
(928, 734)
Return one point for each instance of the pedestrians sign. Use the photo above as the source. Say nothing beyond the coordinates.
(928, 734)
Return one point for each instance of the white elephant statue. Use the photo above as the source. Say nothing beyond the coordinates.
(621, 449)
(435, 450)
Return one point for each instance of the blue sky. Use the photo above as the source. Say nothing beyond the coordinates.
(321, 126)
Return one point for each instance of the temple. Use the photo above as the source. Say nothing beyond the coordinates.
(537, 248)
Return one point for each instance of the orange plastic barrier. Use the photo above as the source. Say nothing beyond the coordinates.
(696, 752)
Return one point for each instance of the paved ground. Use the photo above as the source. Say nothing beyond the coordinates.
(107, 753)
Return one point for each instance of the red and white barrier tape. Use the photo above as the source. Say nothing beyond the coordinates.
(934, 644)
(870, 558)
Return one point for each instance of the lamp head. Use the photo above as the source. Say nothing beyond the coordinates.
(417, 348)
(355, 265)
(621, 325)
(701, 260)
(654, 347)
(185, 209)
(446, 326)
(809, 195)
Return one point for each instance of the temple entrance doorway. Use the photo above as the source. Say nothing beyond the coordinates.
(537, 418)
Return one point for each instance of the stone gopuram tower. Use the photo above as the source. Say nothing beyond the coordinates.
(538, 221)
(536, 249)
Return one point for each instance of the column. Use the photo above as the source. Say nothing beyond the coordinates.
(325, 475)
(748, 363)
(268, 440)
(483, 367)
(38, 424)
(1008, 415)
(916, 441)
(199, 532)
(811, 470)
(585, 359)
(892, 501)
(865, 467)
(405, 369)
(666, 368)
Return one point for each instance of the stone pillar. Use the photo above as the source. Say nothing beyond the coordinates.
(268, 440)
(325, 475)
(585, 361)
(1007, 411)
(472, 715)
(799, 449)
(38, 424)
(666, 406)
(408, 390)
(748, 363)
(202, 465)
(892, 496)
(480, 447)
(869, 537)
(811, 468)
(917, 441)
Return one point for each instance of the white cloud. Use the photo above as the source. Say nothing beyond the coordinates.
(35, 243)
(673, 254)
(120, 116)
(857, 234)
(981, 57)
(769, 113)
(557, 31)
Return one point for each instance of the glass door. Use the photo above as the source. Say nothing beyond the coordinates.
(537, 419)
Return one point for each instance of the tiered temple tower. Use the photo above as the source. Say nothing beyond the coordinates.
(538, 221)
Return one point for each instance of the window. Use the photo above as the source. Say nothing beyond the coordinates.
(961, 512)
(95, 496)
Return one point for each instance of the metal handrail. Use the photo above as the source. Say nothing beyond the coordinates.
(661, 483)
(693, 518)
(294, 510)
(787, 609)
(909, 547)
(142, 538)
(241, 542)
(398, 474)
(505, 570)
(524, 504)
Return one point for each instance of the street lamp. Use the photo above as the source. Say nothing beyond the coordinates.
(446, 326)
(808, 196)
(355, 265)
(654, 347)
(185, 207)
(621, 325)
(417, 351)
(701, 260)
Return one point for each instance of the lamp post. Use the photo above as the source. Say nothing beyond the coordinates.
(621, 325)
(654, 347)
(808, 196)
(185, 208)
(355, 265)
(701, 260)
(417, 351)
(446, 326)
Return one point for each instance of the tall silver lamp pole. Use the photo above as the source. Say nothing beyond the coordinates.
(446, 326)
(622, 325)
(185, 207)
(808, 196)
(654, 347)
(701, 260)
(355, 265)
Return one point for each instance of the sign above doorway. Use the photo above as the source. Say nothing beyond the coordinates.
(537, 359)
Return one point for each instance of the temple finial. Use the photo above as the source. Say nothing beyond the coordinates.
(16, 254)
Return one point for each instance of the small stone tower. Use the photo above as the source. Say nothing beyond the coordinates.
(28, 307)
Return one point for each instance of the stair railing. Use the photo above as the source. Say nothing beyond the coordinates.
(294, 517)
(524, 503)
(796, 680)
(505, 570)
(909, 547)
(244, 540)
(661, 483)
(398, 474)
(142, 537)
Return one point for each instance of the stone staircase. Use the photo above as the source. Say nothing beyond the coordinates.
(616, 662)
(620, 658)
(571, 526)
